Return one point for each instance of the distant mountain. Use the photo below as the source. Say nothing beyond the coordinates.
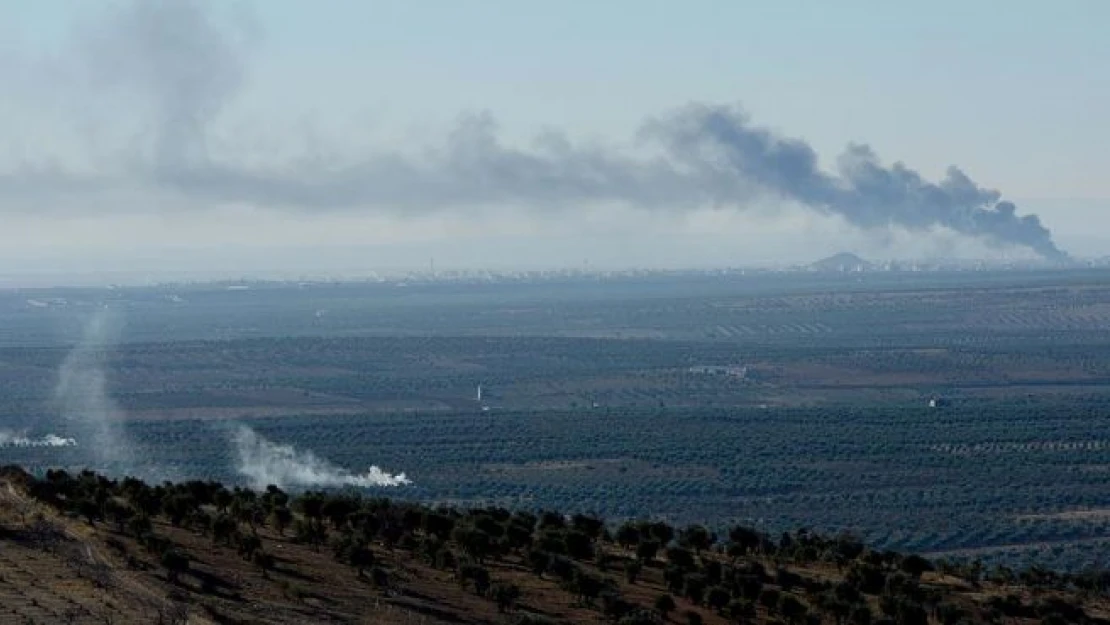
(843, 261)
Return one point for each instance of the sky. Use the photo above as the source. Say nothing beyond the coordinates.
(164, 137)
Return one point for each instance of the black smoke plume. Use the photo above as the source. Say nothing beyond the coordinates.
(720, 144)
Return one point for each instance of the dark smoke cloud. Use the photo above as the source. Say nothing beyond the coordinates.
(720, 143)
(187, 65)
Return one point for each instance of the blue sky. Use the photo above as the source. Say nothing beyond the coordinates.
(1014, 93)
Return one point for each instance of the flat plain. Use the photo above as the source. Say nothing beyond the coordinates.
(778, 400)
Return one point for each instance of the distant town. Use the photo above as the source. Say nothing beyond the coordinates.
(841, 263)
(844, 262)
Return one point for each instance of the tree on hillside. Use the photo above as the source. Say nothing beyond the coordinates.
(309, 533)
(693, 587)
(88, 509)
(379, 577)
(792, 608)
(175, 563)
(750, 586)
(632, 571)
(138, 526)
(698, 538)
(224, 529)
(274, 497)
(579, 545)
(538, 561)
(518, 535)
(628, 535)
(489, 525)
(248, 545)
(178, 507)
(562, 568)
(361, 557)
(201, 521)
(367, 524)
(646, 550)
(861, 615)
(660, 531)
(476, 575)
(338, 509)
(552, 541)
(222, 500)
(680, 557)
(717, 597)
(264, 561)
(119, 514)
(474, 542)
(311, 505)
(741, 611)
(586, 586)
(281, 517)
(914, 565)
(665, 604)
(745, 539)
(675, 578)
(551, 520)
(830, 604)
(588, 525)
(769, 598)
(440, 525)
(506, 596)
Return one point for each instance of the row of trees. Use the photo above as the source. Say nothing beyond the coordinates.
(738, 574)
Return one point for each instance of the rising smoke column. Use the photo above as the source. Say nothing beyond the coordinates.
(186, 65)
(81, 394)
(264, 462)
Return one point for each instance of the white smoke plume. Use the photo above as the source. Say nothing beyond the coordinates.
(81, 395)
(9, 438)
(264, 462)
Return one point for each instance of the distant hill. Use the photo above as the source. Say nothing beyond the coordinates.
(843, 261)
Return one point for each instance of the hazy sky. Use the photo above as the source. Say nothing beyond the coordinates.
(367, 135)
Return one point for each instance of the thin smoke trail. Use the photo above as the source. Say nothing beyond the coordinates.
(264, 462)
(81, 394)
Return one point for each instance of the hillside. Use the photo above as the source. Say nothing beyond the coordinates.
(86, 549)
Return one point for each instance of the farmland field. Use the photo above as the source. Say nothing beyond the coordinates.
(783, 400)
